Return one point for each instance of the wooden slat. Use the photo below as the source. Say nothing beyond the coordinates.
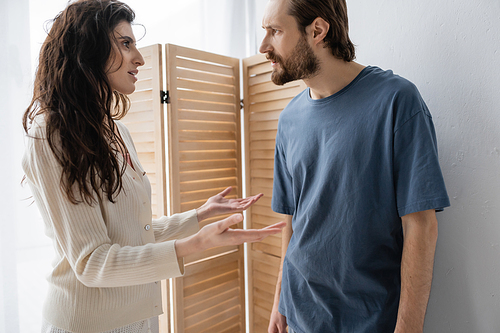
(207, 174)
(207, 145)
(266, 248)
(260, 68)
(208, 284)
(210, 273)
(204, 67)
(207, 184)
(210, 313)
(190, 125)
(259, 79)
(271, 105)
(204, 77)
(208, 116)
(230, 313)
(264, 116)
(205, 135)
(205, 86)
(226, 326)
(207, 97)
(204, 106)
(210, 302)
(207, 165)
(212, 292)
(217, 251)
(263, 135)
(268, 86)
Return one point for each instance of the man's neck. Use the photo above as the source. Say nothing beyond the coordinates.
(334, 74)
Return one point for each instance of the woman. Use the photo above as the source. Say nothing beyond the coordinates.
(90, 188)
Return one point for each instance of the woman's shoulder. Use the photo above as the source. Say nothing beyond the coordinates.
(37, 128)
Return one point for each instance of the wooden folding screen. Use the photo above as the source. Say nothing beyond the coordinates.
(145, 121)
(263, 102)
(205, 158)
(204, 151)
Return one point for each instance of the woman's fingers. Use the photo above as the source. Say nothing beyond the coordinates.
(229, 221)
(247, 202)
(279, 225)
(226, 191)
(254, 235)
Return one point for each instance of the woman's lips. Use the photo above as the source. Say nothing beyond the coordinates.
(134, 73)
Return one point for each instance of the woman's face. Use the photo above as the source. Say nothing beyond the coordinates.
(124, 60)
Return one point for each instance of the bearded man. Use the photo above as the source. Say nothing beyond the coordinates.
(357, 174)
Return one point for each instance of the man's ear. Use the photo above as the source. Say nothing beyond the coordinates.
(318, 30)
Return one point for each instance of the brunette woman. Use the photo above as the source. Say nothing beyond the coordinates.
(91, 189)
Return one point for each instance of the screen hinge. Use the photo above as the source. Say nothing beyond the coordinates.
(164, 97)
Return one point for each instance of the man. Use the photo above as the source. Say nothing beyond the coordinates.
(357, 173)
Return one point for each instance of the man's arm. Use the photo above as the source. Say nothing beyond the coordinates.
(420, 233)
(277, 322)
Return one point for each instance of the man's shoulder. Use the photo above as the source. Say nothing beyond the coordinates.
(390, 81)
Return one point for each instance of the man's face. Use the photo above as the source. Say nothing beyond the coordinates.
(286, 46)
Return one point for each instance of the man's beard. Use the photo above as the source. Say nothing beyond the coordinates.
(301, 64)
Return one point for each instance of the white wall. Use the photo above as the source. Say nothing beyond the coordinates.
(451, 51)
(16, 220)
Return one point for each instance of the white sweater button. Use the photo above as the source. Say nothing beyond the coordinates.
(147, 227)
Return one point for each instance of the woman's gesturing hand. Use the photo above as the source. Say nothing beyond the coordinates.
(220, 234)
(219, 204)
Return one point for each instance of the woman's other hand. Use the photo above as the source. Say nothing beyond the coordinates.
(219, 204)
(220, 234)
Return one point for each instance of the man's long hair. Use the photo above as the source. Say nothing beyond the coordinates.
(73, 94)
(332, 11)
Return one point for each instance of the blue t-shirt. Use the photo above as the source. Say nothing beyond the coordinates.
(347, 167)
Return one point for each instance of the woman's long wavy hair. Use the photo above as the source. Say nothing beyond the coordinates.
(73, 93)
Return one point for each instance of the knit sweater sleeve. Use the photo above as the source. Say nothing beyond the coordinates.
(176, 226)
(80, 231)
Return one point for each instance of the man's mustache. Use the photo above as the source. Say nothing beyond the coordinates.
(273, 57)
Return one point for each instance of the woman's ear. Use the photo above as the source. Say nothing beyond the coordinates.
(318, 30)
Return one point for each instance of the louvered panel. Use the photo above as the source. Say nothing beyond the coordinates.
(145, 122)
(201, 313)
(264, 102)
(205, 158)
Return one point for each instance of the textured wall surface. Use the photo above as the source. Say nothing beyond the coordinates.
(451, 51)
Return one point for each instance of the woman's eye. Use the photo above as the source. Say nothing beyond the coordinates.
(126, 44)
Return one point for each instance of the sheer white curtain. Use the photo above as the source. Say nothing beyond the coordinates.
(219, 26)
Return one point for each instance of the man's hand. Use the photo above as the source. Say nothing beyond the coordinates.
(218, 205)
(420, 235)
(277, 323)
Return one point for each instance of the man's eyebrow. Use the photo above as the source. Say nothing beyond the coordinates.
(270, 26)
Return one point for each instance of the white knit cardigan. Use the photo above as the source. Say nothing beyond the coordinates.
(109, 256)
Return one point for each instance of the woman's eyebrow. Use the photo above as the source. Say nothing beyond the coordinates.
(128, 38)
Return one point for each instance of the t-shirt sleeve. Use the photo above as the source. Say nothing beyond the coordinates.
(419, 183)
(282, 201)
